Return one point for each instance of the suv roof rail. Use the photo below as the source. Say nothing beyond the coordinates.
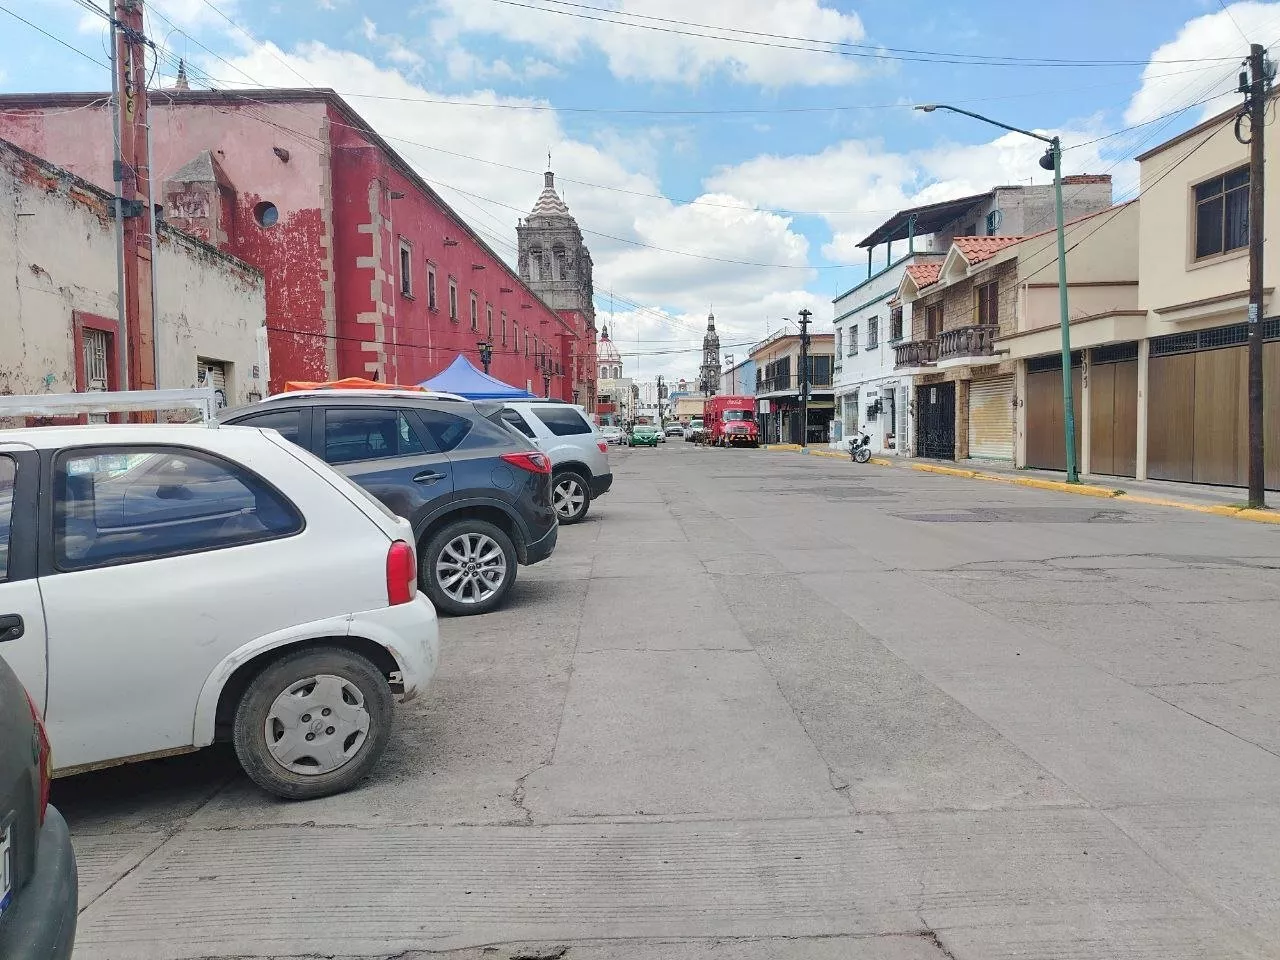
(200, 399)
(358, 392)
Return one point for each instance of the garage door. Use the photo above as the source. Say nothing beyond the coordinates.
(1046, 433)
(991, 419)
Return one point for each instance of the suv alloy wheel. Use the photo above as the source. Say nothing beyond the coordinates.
(571, 496)
(468, 567)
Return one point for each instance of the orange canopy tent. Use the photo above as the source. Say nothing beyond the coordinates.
(349, 383)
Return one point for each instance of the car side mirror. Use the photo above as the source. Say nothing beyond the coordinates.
(172, 491)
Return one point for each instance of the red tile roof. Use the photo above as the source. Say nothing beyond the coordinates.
(977, 249)
(924, 273)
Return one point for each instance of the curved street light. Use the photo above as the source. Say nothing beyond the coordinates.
(1052, 160)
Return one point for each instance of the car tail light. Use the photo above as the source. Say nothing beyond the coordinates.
(533, 462)
(44, 757)
(604, 447)
(402, 573)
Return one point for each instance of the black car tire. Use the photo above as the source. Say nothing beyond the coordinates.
(430, 580)
(583, 488)
(250, 735)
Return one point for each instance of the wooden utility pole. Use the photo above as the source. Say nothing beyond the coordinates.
(1256, 105)
(137, 207)
(804, 376)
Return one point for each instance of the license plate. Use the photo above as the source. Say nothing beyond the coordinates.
(6, 866)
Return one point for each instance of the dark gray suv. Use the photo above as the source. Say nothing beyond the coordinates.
(479, 498)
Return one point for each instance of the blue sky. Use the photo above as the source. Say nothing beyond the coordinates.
(789, 156)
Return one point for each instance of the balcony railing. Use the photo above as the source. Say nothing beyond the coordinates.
(915, 353)
(791, 384)
(977, 340)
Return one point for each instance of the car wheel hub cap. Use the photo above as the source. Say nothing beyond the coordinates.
(568, 497)
(317, 725)
(471, 568)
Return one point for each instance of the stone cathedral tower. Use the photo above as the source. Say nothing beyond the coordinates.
(709, 372)
(553, 259)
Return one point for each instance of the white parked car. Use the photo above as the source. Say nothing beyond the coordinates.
(163, 587)
(578, 450)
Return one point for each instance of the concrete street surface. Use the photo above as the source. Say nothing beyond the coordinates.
(766, 706)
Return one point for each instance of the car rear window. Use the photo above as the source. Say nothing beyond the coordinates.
(513, 417)
(125, 504)
(562, 421)
(8, 472)
(284, 422)
(447, 430)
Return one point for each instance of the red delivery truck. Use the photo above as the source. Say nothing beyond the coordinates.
(731, 421)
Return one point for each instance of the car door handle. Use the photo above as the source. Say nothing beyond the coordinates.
(11, 627)
(427, 476)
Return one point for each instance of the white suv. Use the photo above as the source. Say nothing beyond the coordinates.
(162, 587)
(578, 450)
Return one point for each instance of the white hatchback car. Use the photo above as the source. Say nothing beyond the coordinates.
(162, 587)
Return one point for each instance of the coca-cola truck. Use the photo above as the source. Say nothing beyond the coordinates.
(730, 421)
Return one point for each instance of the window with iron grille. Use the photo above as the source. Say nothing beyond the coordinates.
(1222, 213)
(488, 316)
(1053, 361)
(475, 312)
(453, 300)
(503, 318)
(1114, 353)
(433, 302)
(895, 323)
(987, 303)
(853, 339)
(873, 333)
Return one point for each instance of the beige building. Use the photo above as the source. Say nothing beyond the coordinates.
(778, 381)
(59, 331)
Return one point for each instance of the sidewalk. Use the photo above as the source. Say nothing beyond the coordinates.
(1201, 498)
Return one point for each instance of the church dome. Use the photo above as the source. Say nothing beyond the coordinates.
(606, 351)
(549, 203)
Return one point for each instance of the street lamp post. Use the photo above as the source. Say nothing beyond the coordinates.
(486, 353)
(1052, 160)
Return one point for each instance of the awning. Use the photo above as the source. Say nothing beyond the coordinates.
(463, 379)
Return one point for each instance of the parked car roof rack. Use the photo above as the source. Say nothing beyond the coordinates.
(200, 399)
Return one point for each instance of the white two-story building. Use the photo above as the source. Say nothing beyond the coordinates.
(870, 395)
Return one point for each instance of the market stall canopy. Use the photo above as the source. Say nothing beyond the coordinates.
(462, 378)
(350, 383)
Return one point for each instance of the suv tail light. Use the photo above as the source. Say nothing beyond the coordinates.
(402, 573)
(533, 462)
(604, 447)
(44, 758)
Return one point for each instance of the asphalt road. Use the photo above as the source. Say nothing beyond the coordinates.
(765, 706)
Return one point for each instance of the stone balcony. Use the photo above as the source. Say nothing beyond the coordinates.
(975, 340)
(915, 354)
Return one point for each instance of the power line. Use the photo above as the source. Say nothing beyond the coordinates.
(257, 42)
(1233, 20)
(58, 40)
(828, 47)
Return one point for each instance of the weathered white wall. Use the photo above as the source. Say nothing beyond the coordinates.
(57, 256)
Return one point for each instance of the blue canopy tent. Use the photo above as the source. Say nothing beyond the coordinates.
(462, 378)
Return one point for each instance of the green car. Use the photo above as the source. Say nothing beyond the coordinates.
(643, 435)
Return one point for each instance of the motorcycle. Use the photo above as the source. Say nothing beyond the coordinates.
(860, 449)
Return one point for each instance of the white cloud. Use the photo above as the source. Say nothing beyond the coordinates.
(1168, 86)
(635, 53)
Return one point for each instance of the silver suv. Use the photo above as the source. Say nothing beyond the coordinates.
(578, 451)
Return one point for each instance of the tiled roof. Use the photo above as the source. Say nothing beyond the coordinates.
(924, 273)
(977, 249)
(549, 203)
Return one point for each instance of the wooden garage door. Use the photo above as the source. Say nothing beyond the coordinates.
(1198, 420)
(1113, 410)
(991, 418)
(1046, 447)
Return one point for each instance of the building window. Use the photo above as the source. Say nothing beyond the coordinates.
(1222, 213)
(503, 318)
(406, 269)
(475, 313)
(987, 306)
(933, 321)
(873, 333)
(488, 316)
(895, 323)
(432, 300)
(839, 341)
(853, 339)
(993, 222)
(453, 300)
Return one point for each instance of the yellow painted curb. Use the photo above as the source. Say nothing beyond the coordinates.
(1081, 490)
(945, 471)
(833, 454)
(780, 446)
(1259, 516)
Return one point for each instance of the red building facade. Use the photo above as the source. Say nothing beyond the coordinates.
(368, 271)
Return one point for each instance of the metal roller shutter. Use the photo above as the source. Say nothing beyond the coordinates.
(991, 419)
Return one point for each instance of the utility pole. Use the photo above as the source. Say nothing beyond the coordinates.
(661, 423)
(804, 376)
(1256, 89)
(133, 174)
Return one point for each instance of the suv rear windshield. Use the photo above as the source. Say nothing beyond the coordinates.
(562, 421)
